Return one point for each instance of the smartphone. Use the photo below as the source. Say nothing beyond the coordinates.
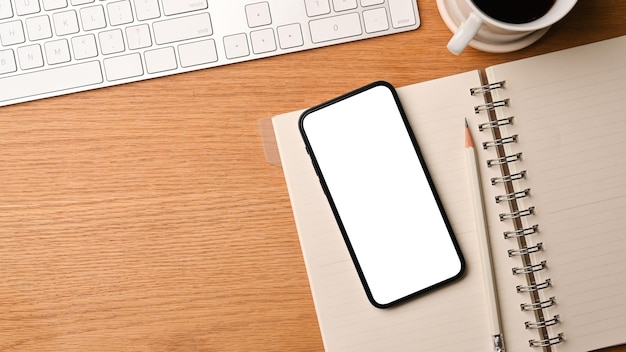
(383, 198)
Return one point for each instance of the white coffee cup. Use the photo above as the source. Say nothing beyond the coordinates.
(472, 26)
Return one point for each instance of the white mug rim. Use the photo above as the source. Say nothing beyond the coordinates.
(548, 19)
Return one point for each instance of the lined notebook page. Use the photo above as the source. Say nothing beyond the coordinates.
(452, 318)
(569, 110)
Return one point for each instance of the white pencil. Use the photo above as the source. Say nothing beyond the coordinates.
(483, 240)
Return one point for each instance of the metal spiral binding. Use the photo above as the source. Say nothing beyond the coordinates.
(547, 342)
(526, 250)
(529, 268)
(487, 88)
(543, 323)
(533, 287)
(504, 160)
(517, 214)
(514, 195)
(529, 307)
(508, 178)
(491, 106)
(522, 232)
(500, 141)
(496, 123)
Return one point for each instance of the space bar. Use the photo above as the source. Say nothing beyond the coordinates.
(51, 81)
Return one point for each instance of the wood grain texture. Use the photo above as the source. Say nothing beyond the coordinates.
(144, 217)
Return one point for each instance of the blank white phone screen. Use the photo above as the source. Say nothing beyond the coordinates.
(374, 178)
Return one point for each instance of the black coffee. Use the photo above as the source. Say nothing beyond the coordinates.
(514, 11)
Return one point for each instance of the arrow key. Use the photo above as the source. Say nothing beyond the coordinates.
(258, 14)
(236, 46)
(263, 41)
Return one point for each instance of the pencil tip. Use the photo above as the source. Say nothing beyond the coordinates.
(468, 136)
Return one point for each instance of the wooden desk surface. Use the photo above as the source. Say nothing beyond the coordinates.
(144, 217)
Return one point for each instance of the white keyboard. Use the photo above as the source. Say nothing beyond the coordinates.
(54, 47)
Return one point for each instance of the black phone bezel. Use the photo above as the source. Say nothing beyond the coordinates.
(329, 197)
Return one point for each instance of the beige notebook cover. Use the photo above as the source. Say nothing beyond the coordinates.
(569, 124)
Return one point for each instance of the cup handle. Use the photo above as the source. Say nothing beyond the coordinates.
(464, 34)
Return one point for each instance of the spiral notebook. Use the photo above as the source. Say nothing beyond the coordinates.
(551, 132)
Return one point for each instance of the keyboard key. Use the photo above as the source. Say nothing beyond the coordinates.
(26, 7)
(160, 60)
(337, 27)
(5, 9)
(365, 3)
(402, 13)
(138, 37)
(7, 62)
(119, 12)
(81, 2)
(57, 51)
(263, 41)
(258, 14)
(290, 36)
(174, 7)
(65, 22)
(30, 57)
(375, 20)
(92, 17)
(38, 28)
(111, 42)
(84, 46)
(54, 4)
(316, 7)
(11, 33)
(197, 53)
(344, 5)
(236, 46)
(147, 9)
(122, 67)
(182, 28)
(50, 81)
